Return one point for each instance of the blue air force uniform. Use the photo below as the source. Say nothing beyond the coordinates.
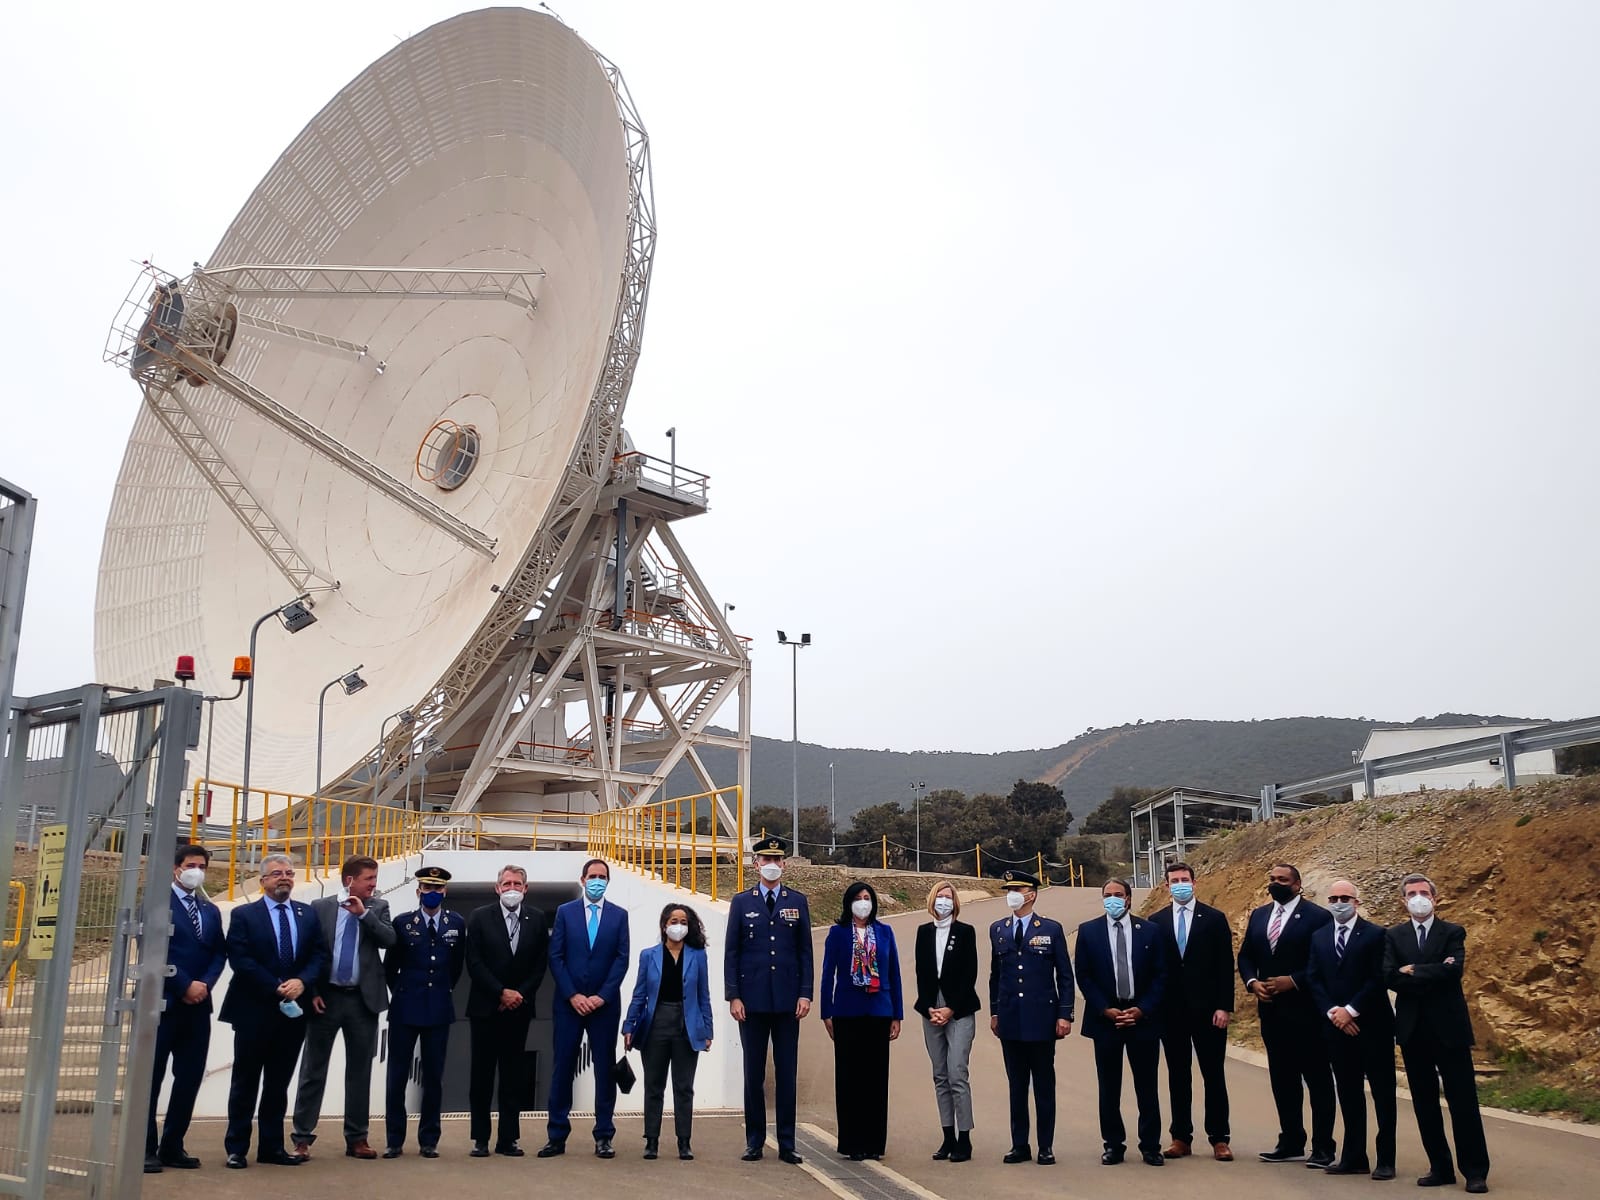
(767, 964)
(1030, 989)
(428, 956)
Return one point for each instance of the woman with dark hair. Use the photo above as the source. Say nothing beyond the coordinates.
(670, 1019)
(862, 1010)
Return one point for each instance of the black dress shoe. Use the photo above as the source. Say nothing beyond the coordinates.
(152, 1165)
(1477, 1186)
(603, 1149)
(1047, 1157)
(280, 1158)
(1341, 1168)
(1434, 1179)
(179, 1159)
(479, 1150)
(1018, 1154)
(684, 1152)
(551, 1149)
(1153, 1158)
(511, 1151)
(1111, 1158)
(856, 1157)
(652, 1148)
(751, 1154)
(1383, 1171)
(1319, 1162)
(790, 1157)
(428, 1151)
(392, 1152)
(237, 1162)
(1279, 1154)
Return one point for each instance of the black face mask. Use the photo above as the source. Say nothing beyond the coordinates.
(1281, 892)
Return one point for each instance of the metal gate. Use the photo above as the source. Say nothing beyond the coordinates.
(100, 776)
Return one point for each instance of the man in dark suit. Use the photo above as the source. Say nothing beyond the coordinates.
(507, 951)
(1423, 961)
(277, 952)
(588, 957)
(196, 952)
(768, 980)
(1196, 1010)
(1273, 956)
(1030, 1006)
(1121, 966)
(355, 923)
(1346, 979)
(422, 969)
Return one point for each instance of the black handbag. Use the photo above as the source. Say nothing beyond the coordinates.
(623, 1074)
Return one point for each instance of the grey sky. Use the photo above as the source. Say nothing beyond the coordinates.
(1055, 365)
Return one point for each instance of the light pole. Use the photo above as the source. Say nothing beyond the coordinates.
(405, 717)
(794, 708)
(295, 615)
(672, 437)
(833, 839)
(352, 683)
(243, 668)
(918, 789)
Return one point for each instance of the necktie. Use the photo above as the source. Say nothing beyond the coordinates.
(1016, 926)
(194, 915)
(285, 938)
(1422, 937)
(1338, 945)
(433, 929)
(1124, 969)
(594, 923)
(512, 930)
(1183, 931)
(344, 976)
(772, 903)
(1276, 928)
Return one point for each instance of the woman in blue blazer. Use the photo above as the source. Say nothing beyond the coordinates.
(862, 1010)
(670, 1020)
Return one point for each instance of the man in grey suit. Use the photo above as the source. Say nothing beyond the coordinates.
(356, 925)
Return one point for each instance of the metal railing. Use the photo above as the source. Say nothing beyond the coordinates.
(317, 832)
(665, 839)
(13, 944)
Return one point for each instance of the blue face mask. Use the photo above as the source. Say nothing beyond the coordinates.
(1182, 892)
(595, 889)
(432, 899)
(1115, 906)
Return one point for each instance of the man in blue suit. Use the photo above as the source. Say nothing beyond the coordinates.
(277, 951)
(1030, 1002)
(196, 952)
(1273, 957)
(588, 958)
(1346, 978)
(1121, 967)
(768, 981)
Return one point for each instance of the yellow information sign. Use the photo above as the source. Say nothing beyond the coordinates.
(47, 891)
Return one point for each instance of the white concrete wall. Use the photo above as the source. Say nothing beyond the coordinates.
(719, 1081)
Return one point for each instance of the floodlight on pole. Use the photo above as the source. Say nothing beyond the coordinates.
(833, 838)
(295, 615)
(919, 789)
(405, 716)
(794, 708)
(352, 683)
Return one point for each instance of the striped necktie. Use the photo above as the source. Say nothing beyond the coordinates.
(1338, 945)
(1275, 928)
(194, 915)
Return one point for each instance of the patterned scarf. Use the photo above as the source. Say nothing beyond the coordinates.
(864, 960)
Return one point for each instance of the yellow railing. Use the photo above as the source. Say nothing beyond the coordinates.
(19, 901)
(318, 833)
(664, 839)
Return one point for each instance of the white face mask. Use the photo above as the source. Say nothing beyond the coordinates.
(190, 879)
(943, 906)
(862, 909)
(1419, 906)
(771, 871)
(511, 898)
(1014, 900)
(677, 932)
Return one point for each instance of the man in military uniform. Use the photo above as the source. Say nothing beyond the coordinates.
(423, 966)
(1030, 999)
(768, 977)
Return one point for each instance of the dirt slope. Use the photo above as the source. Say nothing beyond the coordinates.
(1521, 870)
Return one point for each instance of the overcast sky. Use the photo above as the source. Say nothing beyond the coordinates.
(1054, 364)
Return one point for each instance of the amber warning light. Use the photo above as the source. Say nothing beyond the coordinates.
(241, 667)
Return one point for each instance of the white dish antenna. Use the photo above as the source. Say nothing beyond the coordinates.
(392, 384)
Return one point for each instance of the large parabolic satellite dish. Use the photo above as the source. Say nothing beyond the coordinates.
(399, 373)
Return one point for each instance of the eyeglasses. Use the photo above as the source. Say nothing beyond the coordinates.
(1341, 899)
